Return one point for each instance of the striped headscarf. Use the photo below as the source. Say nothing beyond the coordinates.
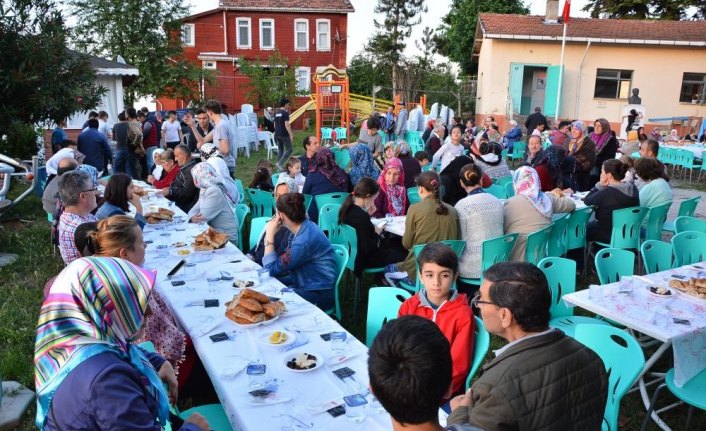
(526, 183)
(96, 305)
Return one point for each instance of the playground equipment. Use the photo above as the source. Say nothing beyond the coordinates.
(331, 98)
(7, 171)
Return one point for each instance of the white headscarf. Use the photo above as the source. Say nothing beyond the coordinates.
(219, 165)
(158, 169)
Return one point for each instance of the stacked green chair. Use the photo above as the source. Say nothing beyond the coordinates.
(558, 237)
(613, 263)
(623, 360)
(686, 223)
(413, 195)
(241, 212)
(261, 202)
(481, 344)
(627, 223)
(689, 247)
(536, 248)
(497, 191)
(328, 218)
(494, 250)
(656, 255)
(383, 305)
(257, 225)
(655, 221)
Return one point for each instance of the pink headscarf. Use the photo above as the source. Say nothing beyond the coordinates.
(396, 194)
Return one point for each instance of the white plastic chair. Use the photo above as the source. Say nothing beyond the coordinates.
(246, 108)
(270, 144)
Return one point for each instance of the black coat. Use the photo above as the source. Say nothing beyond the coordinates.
(533, 120)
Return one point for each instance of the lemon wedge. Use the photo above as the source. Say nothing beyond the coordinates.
(278, 337)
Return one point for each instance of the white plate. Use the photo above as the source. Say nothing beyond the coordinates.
(253, 325)
(265, 338)
(320, 359)
(274, 398)
(657, 295)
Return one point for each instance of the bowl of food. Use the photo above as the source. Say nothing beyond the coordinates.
(303, 362)
(660, 292)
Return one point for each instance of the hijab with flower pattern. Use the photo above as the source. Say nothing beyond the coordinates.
(526, 183)
(205, 177)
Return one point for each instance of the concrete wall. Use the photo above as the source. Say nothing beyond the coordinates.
(657, 72)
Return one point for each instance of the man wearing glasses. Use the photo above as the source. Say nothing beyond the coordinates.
(78, 194)
(541, 379)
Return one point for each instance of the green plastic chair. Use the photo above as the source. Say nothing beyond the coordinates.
(341, 134)
(556, 247)
(343, 157)
(689, 247)
(503, 181)
(623, 360)
(655, 221)
(537, 245)
(691, 393)
(613, 263)
(342, 258)
(686, 223)
(494, 250)
(687, 162)
(497, 191)
(328, 218)
(626, 228)
(326, 133)
(241, 190)
(458, 246)
(413, 195)
(261, 203)
(481, 344)
(383, 305)
(330, 198)
(214, 414)
(509, 190)
(656, 255)
(518, 151)
(576, 228)
(241, 212)
(308, 199)
(257, 225)
(275, 178)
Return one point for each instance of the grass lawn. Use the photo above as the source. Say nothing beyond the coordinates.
(25, 232)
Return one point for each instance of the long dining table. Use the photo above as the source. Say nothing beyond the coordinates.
(299, 400)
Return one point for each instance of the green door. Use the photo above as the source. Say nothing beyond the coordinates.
(517, 72)
(551, 91)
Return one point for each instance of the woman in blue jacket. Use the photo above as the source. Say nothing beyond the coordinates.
(308, 265)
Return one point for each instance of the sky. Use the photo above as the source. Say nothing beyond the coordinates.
(361, 19)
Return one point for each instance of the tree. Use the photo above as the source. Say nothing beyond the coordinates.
(426, 46)
(388, 42)
(647, 9)
(364, 74)
(269, 81)
(456, 37)
(41, 79)
(147, 35)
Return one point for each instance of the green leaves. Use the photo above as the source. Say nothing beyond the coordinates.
(271, 80)
(647, 9)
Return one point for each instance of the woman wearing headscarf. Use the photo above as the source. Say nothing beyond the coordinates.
(530, 209)
(362, 164)
(326, 177)
(583, 150)
(673, 136)
(606, 146)
(214, 206)
(410, 165)
(488, 157)
(211, 154)
(392, 198)
(157, 169)
(88, 372)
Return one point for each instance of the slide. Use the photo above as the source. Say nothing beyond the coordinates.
(308, 106)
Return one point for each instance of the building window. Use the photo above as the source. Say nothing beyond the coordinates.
(693, 87)
(187, 34)
(301, 35)
(303, 78)
(243, 35)
(323, 35)
(613, 84)
(267, 34)
(209, 64)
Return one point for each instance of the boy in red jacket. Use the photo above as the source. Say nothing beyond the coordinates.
(443, 305)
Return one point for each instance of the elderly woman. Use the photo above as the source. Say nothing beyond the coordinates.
(215, 206)
(531, 209)
(118, 193)
(606, 146)
(513, 135)
(89, 373)
(362, 163)
(392, 198)
(211, 154)
(326, 177)
(583, 150)
(157, 170)
(410, 165)
(308, 265)
(282, 237)
(171, 170)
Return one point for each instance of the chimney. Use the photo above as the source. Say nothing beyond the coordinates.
(552, 13)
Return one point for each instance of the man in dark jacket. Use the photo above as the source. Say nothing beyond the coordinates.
(535, 119)
(183, 191)
(541, 380)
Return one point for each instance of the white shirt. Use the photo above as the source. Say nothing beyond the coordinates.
(171, 130)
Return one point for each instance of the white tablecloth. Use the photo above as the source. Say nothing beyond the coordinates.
(639, 311)
(225, 361)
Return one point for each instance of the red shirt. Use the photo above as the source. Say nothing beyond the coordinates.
(167, 178)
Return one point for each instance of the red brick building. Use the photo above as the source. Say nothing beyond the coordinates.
(312, 32)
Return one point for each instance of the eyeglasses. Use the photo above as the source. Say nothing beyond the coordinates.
(476, 300)
(89, 190)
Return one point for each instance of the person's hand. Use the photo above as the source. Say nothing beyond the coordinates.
(273, 226)
(568, 191)
(199, 421)
(151, 179)
(460, 400)
(167, 375)
(136, 202)
(188, 120)
(198, 218)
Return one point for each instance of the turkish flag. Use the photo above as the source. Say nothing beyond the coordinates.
(567, 11)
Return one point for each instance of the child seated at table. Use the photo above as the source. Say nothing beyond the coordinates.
(439, 301)
(294, 171)
(262, 180)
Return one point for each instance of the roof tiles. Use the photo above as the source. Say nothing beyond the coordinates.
(336, 6)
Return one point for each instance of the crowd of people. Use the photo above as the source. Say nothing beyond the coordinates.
(440, 190)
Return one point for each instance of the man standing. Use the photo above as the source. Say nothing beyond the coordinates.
(183, 191)
(222, 135)
(201, 130)
(401, 129)
(94, 145)
(527, 385)
(283, 133)
(58, 137)
(125, 160)
(150, 140)
(78, 194)
(172, 135)
(103, 126)
(390, 123)
(534, 120)
(311, 146)
(135, 146)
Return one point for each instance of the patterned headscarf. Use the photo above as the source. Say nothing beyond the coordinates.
(231, 187)
(290, 182)
(96, 305)
(396, 194)
(526, 183)
(326, 166)
(91, 171)
(205, 176)
(362, 163)
(208, 150)
(603, 138)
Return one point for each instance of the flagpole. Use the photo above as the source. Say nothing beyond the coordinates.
(561, 71)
